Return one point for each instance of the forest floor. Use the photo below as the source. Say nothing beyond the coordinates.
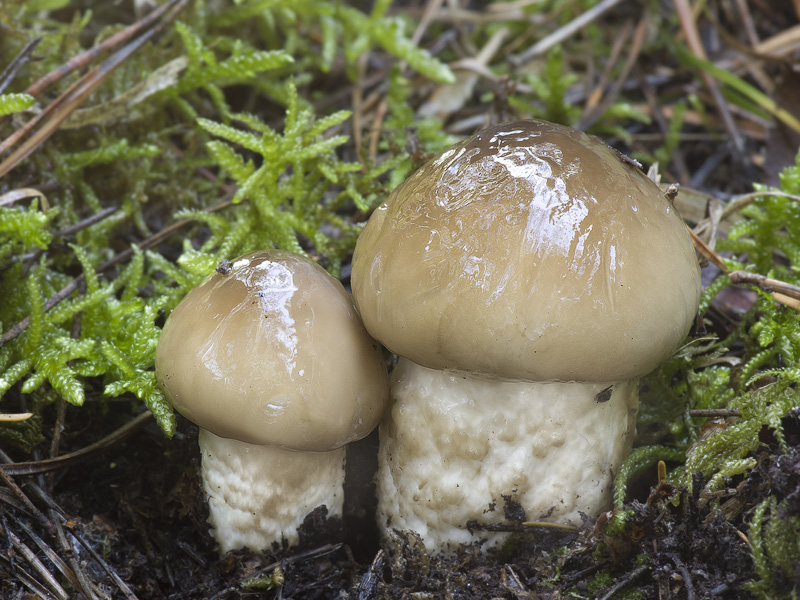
(126, 517)
(148, 528)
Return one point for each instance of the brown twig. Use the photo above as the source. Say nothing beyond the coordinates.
(747, 21)
(9, 142)
(39, 591)
(84, 585)
(67, 460)
(563, 33)
(37, 566)
(714, 413)
(84, 58)
(786, 293)
(622, 583)
(87, 222)
(74, 96)
(55, 443)
(51, 554)
(765, 283)
(657, 111)
(687, 578)
(512, 583)
(5, 477)
(123, 587)
(621, 41)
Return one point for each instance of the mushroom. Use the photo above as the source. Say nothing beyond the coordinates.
(527, 277)
(269, 358)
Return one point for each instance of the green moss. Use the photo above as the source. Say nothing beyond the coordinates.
(549, 89)
(11, 103)
(602, 580)
(774, 535)
(758, 383)
(157, 146)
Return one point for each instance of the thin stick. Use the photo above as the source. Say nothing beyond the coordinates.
(740, 202)
(84, 58)
(5, 477)
(714, 412)
(635, 48)
(84, 585)
(687, 578)
(548, 525)
(6, 144)
(88, 221)
(8, 74)
(51, 554)
(765, 283)
(74, 97)
(66, 460)
(40, 591)
(37, 566)
(625, 581)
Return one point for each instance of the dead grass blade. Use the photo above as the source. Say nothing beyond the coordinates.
(84, 58)
(695, 45)
(37, 566)
(24, 56)
(594, 113)
(63, 106)
(563, 33)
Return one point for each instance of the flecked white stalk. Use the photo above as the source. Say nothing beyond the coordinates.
(456, 447)
(260, 494)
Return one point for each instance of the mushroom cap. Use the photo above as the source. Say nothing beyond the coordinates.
(530, 251)
(273, 352)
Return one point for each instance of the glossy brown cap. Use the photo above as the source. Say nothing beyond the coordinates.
(273, 352)
(530, 251)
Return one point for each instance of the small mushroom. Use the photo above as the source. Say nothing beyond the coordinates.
(270, 359)
(527, 277)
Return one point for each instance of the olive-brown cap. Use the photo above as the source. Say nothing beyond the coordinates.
(273, 352)
(530, 251)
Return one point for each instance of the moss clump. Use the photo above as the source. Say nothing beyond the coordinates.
(179, 139)
(750, 374)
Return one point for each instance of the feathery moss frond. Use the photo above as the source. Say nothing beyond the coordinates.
(289, 193)
(12, 103)
(171, 134)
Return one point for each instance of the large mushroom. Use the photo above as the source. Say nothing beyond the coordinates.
(269, 357)
(527, 277)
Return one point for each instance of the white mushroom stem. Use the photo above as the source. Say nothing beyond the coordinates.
(260, 494)
(456, 447)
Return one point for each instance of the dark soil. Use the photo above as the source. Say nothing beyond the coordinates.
(139, 507)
